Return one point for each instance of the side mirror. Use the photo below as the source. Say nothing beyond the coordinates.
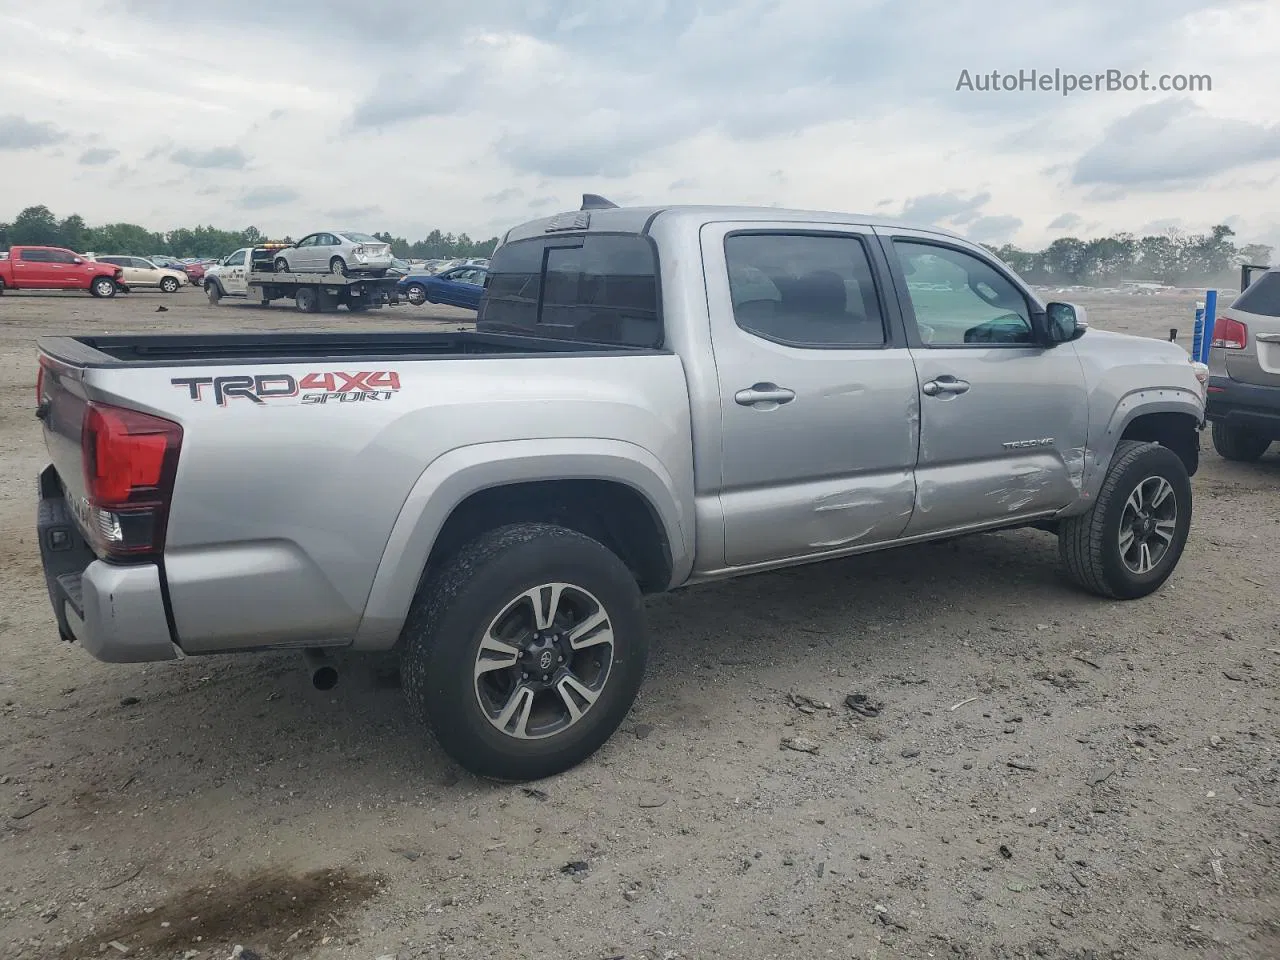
(77, 260)
(1065, 322)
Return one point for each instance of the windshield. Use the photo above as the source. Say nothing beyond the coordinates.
(360, 237)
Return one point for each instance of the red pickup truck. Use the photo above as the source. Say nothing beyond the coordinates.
(53, 268)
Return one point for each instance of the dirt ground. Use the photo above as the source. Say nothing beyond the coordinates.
(1048, 775)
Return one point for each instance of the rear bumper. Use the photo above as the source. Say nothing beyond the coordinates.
(115, 611)
(1248, 405)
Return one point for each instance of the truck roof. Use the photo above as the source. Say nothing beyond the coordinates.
(615, 219)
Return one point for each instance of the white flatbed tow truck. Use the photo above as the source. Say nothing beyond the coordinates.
(248, 273)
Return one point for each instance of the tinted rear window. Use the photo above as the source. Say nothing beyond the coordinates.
(593, 288)
(1262, 297)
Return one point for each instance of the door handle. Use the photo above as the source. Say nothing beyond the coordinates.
(764, 393)
(945, 385)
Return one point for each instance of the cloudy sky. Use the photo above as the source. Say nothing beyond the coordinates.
(297, 114)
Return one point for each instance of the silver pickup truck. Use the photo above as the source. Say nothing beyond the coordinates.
(651, 398)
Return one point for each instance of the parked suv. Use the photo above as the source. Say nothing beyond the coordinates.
(140, 272)
(1243, 401)
(338, 251)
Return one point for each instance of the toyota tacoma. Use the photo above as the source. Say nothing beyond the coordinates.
(651, 397)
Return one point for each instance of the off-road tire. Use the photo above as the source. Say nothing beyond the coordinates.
(1234, 442)
(452, 612)
(1088, 544)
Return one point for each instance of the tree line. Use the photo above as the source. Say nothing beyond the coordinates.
(38, 226)
(1173, 257)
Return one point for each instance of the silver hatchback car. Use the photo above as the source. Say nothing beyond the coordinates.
(335, 251)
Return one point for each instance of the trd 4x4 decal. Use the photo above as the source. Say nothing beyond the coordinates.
(332, 387)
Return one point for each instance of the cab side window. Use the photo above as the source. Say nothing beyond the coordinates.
(961, 300)
(236, 259)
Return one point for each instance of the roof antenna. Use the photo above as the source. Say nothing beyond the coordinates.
(593, 201)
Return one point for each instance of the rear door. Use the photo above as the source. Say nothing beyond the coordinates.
(1003, 420)
(1258, 309)
(142, 273)
(818, 399)
(33, 267)
(327, 247)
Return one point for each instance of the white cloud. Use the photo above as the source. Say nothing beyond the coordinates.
(473, 118)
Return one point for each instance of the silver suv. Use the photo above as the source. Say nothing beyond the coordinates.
(1243, 401)
(335, 251)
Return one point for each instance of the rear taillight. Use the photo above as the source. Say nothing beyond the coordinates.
(1230, 334)
(130, 461)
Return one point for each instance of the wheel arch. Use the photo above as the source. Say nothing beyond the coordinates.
(610, 490)
(1163, 414)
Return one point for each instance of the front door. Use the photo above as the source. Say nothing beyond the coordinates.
(141, 273)
(63, 270)
(818, 398)
(1003, 420)
(302, 258)
(232, 275)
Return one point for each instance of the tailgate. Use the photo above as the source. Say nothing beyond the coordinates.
(61, 401)
(1258, 308)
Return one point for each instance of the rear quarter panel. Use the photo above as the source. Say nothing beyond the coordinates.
(283, 510)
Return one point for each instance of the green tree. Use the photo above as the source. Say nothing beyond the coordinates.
(36, 226)
(1065, 258)
(74, 232)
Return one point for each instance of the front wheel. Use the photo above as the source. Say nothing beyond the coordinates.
(169, 285)
(416, 294)
(525, 651)
(281, 265)
(1234, 442)
(213, 292)
(1129, 542)
(103, 287)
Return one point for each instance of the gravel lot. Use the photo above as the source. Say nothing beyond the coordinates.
(1048, 775)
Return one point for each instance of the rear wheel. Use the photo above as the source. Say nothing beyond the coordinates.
(416, 294)
(339, 266)
(103, 287)
(1129, 542)
(169, 284)
(1, 286)
(1234, 442)
(307, 300)
(525, 651)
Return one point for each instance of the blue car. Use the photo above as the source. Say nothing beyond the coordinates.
(458, 287)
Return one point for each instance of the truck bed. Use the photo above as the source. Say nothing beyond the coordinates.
(162, 350)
